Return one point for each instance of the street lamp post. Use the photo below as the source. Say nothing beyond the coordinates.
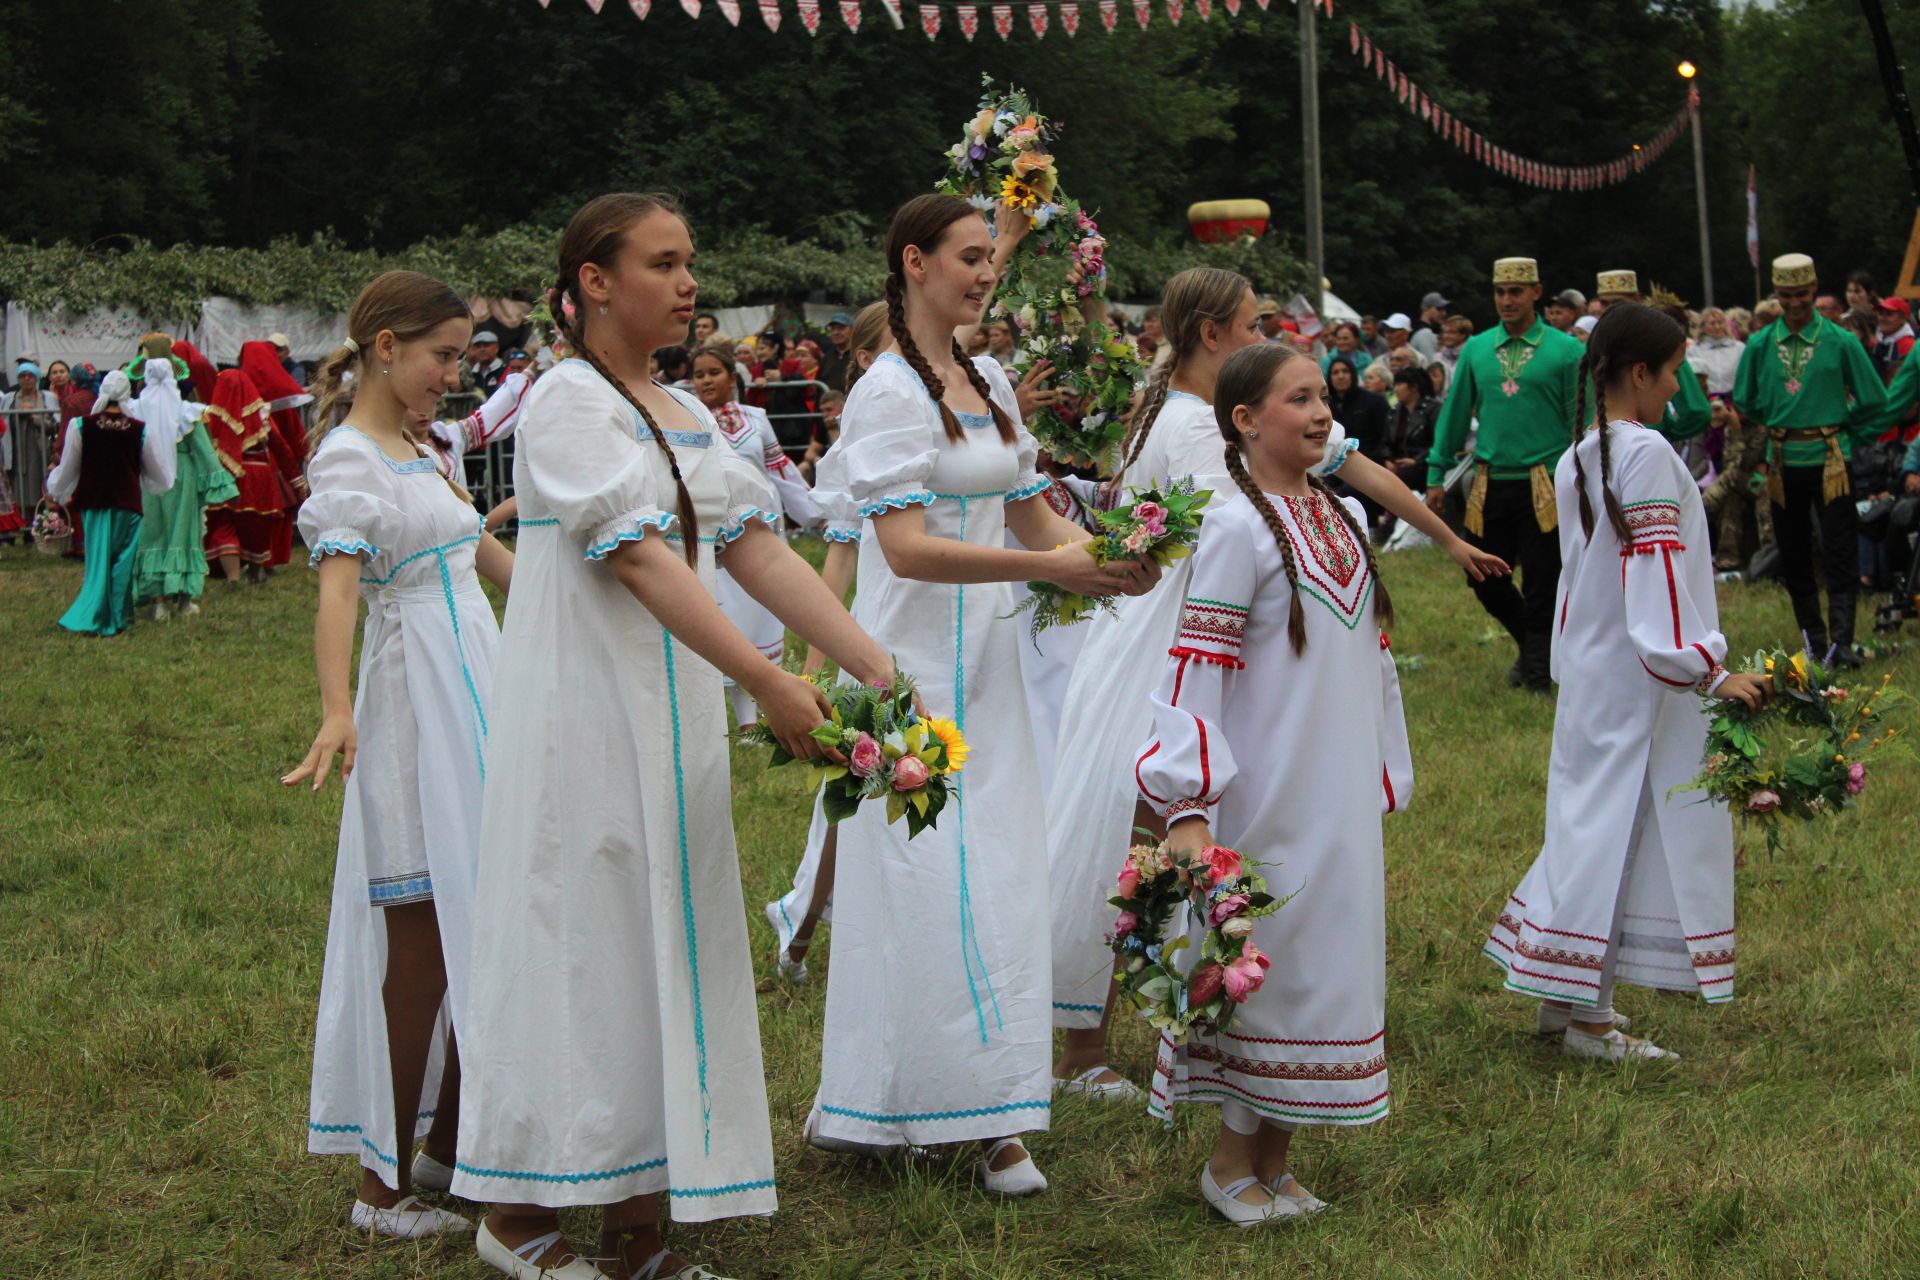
(1687, 72)
(1310, 152)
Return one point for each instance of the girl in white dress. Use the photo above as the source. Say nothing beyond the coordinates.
(1278, 714)
(937, 1025)
(1632, 884)
(1208, 314)
(749, 432)
(387, 525)
(612, 1046)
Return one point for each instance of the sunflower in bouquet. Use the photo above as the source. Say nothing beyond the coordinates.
(1004, 159)
(892, 753)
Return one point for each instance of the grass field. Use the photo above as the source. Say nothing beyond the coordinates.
(163, 910)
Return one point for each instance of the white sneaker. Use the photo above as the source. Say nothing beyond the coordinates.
(1615, 1046)
(1553, 1019)
(429, 1174)
(793, 972)
(518, 1262)
(692, 1271)
(1225, 1202)
(410, 1219)
(1087, 1085)
(1021, 1179)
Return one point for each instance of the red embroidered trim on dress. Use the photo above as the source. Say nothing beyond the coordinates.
(1197, 804)
(1555, 955)
(1206, 655)
(1212, 622)
(1707, 959)
(1328, 539)
(1331, 1072)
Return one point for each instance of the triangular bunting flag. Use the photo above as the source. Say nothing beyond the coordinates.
(1175, 8)
(930, 20)
(595, 4)
(730, 10)
(770, 14)
(810, 16)
(1003, 20)
(1353, 38)
(1143, 12)
(1262, 4)
(969, 20)
(1037, 19)
(849, 13)
(1070, 17)
(692, 8)
(1109, 14)
(1233, 8)
(1204, 8)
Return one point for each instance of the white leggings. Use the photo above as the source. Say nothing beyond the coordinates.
(1245, 1121)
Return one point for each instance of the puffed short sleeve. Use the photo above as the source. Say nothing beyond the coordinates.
(588, 466)
(1027, 481)
(830, 494)
(887, 447)
(750, 495)
(1338, 449)
(349, 508)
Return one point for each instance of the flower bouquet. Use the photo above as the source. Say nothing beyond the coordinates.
(1003, 159)
(1156, 525)
(1229, 968)
(1819, 769)
(892, 752)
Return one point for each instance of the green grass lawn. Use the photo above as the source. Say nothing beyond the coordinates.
(163, 907)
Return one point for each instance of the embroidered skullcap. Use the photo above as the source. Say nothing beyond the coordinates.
(1516, 271)
(1790, 270)
(1618, 281)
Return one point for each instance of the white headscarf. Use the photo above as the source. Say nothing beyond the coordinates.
(114, 389)
(159, 405)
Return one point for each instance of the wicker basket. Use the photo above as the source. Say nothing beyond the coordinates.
(58, 544)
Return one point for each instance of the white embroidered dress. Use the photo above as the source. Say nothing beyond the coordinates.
(936, 1027)
(1296, 756)
(1090, 810)
(749, 432)
(410, 823)
(613, 1046)
(1624, 865)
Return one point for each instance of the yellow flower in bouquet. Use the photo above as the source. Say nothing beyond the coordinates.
(1016, 194)
(949, 735)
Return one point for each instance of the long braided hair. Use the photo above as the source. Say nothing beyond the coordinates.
(594, 235)
(1630, 333)
(1191, 298)
(921, 222)
(1245, 379)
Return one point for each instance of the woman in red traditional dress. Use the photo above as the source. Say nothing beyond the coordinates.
(285, 398)
(252, 449)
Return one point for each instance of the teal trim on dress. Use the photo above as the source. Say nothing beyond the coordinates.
(969, 933)
(541, 523)
(466, 672)
(1080, 1008)
(525, 1175)
(686, 891)
(418, 466)
(442, 549)
(599, 550)
(1020, 493)
(764, 1184)
(841, 535)
(968, 1114)
(918, 497)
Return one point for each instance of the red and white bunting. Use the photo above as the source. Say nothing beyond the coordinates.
(770, 14)
(1233, 8)
(849, 13)
(1109, 14)
(1176, 9)
(730, 10)
(691, 8)
(810, 15)
(930, 20)
(969, 20)
(1143, 12)
(1037, 19)
(1262, 4)
(1003, 20)
(1070, 17)
(1204, 8)
(595, 4)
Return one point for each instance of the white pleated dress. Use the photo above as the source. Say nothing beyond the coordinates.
(410, 824)
(613, 1046)
(937, 1027)
(1295, 757)
(1106, 715)
(1625, 865)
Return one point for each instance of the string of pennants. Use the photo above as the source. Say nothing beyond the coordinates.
(1533, 173)
(1040, 14)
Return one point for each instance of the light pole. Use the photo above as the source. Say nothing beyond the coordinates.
(1687, 72)
(1310, 149)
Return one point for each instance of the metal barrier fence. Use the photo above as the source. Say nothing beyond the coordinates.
(32, 432)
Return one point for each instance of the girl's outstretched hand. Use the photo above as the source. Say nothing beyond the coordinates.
(336, 738)
(1480, 565)
(1746, 688)
(793, 709)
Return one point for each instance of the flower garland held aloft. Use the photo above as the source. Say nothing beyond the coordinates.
(891, 751)
(1813, 775)
(1152, 885)
(1055, 284)
(1162, 527)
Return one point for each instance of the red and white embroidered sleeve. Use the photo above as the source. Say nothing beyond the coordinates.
(1675, 644)
(1212, 631)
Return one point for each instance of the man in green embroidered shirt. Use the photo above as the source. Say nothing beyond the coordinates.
(1519, 379)
(1810, 385)
(1688, 414)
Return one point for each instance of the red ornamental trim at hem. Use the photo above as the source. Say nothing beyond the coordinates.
(1206, 655)
(1709, 959)
(1567, 933)
(1555, 955)
(1702, 937)
(1329, 1072)
(1552, 977)
(1216, 1082)
(1311, 1044)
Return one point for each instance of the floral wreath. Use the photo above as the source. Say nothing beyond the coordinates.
(1822, 765)
(1003, 160)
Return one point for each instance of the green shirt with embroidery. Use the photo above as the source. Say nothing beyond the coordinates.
(1522, 389)
(1689, 413)
(1902, 393)
(1818, 377)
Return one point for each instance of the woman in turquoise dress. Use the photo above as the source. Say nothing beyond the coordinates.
(170, 568)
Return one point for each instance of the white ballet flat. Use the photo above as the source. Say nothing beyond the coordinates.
(519, 1263)
(1553, 1019)
(1238, 1212)
(692, 1271)
(1086, 1085)
(430, 1175)
(1307, 1202)
(1613, 1047)
(1021, 1179)
(793, 972)
(161, 611)
(410, 1219)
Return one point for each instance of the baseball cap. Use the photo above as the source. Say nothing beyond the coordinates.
(279, 340)
(486, 335)
(1435, 300)
(1896, 305)
(839, 317)
(1398, 320)
(516, 354)
(1585, 323)
(1571, 298)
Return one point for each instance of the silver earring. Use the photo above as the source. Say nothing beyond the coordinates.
(385, 370)
(603, 308)
(1251, 435)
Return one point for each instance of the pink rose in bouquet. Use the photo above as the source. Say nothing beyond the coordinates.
(1245, 973)
(1225, 908)
(1856, 779)
(1763, 802)
(1125, 923)
(1152, 517)
(864, 759)
(1128, 880)
(909, 774)
(1221, 862)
